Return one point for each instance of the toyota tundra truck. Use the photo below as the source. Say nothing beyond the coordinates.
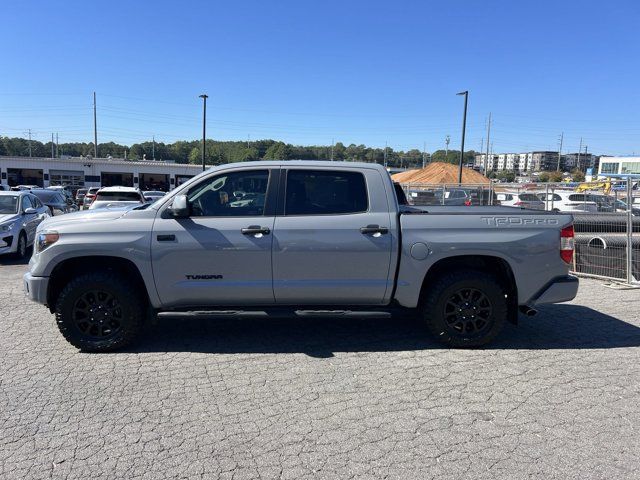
(298, 238)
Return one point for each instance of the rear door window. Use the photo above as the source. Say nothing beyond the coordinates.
(529, 197)
(320, 192)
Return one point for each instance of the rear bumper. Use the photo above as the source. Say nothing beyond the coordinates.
(560, 289)
(35, 288)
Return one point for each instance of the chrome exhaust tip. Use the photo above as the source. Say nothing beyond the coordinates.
(528, 311)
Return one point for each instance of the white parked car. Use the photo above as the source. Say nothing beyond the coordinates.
(109, 197)
(521, 199)
(568, 201)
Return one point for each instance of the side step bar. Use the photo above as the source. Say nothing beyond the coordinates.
(280, 313)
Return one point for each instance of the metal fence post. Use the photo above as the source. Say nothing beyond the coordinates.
(546, 196)
(444, 189)
(629, 232)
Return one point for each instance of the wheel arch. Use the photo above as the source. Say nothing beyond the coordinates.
(496, 266)
(67, 269)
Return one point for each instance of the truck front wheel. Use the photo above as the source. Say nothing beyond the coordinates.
(465, 308)
(100, 312)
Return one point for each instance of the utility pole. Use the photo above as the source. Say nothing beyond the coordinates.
(464, 129)
(57, 146)
(486, 158)
(424, 154)
(52, 146)
(446, 150)
(385, 154)
(560, 151)
(153, 147)
(95, 128)
(29, 143)
(579, 150)
(586, 159)
(332, 149)
(204, 128)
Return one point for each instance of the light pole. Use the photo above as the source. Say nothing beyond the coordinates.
(204, 128)
(464, 128)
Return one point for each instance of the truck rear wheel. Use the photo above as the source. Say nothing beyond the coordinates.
(100, 312)
(465, 308)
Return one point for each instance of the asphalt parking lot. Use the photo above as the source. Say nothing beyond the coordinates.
(556, 397)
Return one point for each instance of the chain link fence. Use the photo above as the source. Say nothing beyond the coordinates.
(606, 217)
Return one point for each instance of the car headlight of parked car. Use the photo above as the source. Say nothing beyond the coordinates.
(6, 227)
(46, 239)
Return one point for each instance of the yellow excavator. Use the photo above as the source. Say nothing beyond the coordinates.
(605, 186)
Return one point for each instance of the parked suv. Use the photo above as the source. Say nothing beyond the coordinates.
(520, 199)
(109, 197)
(567, 201)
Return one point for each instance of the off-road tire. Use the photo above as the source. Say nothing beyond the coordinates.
(130, 306)
(444, 292)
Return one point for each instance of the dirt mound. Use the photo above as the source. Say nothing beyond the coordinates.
(440, 172)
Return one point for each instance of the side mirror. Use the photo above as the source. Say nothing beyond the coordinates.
(180, 207)
(30, 211)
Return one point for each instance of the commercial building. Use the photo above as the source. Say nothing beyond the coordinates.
(619, 165)
(96, 172)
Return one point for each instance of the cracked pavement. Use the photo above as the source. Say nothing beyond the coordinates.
(556, 397)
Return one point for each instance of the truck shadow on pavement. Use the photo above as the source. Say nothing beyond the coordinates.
(555, 327)
(10, 260)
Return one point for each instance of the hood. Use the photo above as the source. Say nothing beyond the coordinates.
(8, 217)
(83, 216)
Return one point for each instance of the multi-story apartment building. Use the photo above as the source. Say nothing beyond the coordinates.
(492, 163)
(543, 160)
(579, 160)
(522, 163)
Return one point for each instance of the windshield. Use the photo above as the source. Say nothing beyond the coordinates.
(46, 196)
(8, 204)
(118, 197)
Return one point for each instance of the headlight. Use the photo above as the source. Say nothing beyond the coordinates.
(7, 227)
(46, 239)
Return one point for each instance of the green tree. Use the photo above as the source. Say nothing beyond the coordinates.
(278, 151)
(577, 175)
(555, 177)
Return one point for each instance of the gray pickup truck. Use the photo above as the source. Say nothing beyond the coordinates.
(301, 238)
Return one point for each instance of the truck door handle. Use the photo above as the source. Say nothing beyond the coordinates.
(255, 229)
(166, 238)
(374, 229)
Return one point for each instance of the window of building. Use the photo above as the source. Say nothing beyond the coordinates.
(629, 167)
(609, 167)
(317, 192)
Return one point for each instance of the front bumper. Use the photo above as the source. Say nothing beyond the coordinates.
(35, 288)
(560, 289)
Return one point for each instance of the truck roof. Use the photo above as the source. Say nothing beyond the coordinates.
(303, 163)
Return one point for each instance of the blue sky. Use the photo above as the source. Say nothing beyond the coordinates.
(313, 72)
